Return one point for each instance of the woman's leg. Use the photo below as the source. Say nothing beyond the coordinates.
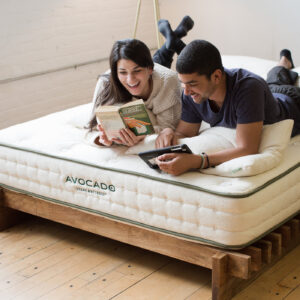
(163, 56)
(173, 44)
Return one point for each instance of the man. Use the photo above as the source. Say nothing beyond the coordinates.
(230, 98)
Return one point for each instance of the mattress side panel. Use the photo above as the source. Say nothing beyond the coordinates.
(194, 214)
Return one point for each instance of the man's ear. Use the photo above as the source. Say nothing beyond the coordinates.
(216, 76)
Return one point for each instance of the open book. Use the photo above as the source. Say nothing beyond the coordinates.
(132, 115)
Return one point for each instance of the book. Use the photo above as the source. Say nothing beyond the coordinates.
(132, 115)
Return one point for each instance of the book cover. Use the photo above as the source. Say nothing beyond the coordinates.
(132, 115)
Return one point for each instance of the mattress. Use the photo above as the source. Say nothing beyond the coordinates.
(51, 158)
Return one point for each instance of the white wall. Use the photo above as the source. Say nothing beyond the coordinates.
(51, 52)
(39, 35)
(241, 27)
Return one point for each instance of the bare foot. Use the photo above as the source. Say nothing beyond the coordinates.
(284, 62)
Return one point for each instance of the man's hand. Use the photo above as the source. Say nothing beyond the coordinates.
(178, 163)
(166, 138)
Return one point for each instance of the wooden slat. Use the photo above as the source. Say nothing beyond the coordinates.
(276, 240)
(295, 228)
(266, 250)
(285, 232)
(256, 257)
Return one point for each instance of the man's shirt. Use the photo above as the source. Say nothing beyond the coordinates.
(248, 99)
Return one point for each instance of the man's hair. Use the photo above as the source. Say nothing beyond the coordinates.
(199, 56)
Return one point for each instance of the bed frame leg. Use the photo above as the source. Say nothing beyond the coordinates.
(221, 280)
(9, 217)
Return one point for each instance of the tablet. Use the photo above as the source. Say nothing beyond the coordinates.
(149, 156)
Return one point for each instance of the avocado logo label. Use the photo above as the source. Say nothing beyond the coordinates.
(90, 186)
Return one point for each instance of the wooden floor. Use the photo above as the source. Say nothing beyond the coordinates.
(40, 259)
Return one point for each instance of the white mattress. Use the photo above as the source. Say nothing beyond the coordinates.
(51, 159)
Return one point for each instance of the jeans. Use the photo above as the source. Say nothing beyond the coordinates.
(282, 80)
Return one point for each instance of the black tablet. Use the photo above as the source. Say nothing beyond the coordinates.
(149, 156)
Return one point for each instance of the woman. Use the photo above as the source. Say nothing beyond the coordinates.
(133, 74)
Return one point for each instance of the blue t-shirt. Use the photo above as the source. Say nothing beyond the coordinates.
(248, 99)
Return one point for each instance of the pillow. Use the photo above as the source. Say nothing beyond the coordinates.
(274, 140)
(210, 140)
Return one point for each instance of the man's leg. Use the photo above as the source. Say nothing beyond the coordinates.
(281, 79)
(282, 73)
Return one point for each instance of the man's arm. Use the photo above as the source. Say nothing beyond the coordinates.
(169, 137)
(247, 138)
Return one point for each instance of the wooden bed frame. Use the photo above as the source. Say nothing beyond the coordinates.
(231, 270)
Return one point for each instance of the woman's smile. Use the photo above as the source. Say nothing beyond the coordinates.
(135, 78)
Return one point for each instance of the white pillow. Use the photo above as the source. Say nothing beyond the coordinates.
(210, 140)
(274, 140)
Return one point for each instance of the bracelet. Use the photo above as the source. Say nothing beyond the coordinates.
(206, 156)
(203, 161)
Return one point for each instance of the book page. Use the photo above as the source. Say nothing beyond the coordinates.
(111, 123)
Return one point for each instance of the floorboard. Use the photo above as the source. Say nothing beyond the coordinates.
(40, 259)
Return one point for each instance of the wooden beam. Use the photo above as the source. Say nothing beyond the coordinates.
(188, 251)
(162, 243)
(221, 280)
(238, 265)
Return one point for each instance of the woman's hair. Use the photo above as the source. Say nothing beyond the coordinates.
(113, 91)
(199, 56)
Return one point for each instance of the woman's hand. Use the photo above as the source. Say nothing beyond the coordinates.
(128, 138)
(103, 139)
